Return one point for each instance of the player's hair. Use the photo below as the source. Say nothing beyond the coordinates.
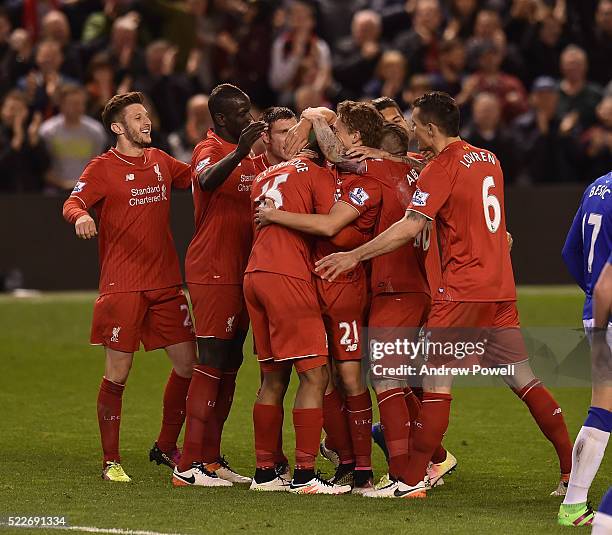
(276, 113)
(113, 111)
(223, 99)
(439, 108)
(383, 103)
(394, 134)
(364, 118)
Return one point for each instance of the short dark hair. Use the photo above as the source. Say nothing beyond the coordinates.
(70, 89)
(398, 135)
(113, 111)
(276, 113)
(364, 118)
(383, 103)
(223, 98)
(439, 108)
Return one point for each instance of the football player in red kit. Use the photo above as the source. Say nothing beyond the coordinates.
(462, 189)
(141, 299)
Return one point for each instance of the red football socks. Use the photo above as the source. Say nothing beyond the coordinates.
(359, 414)
(175, 400)
(547, 414)
(211, 450)
(335, 423)
(279, 454)
(201, 399)
(308, 424)
(413, 403)
(439, 456)
(109, 418)
(267, 423)
(395, 421)
(427, 434)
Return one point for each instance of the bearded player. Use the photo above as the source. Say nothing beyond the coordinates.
(141, 299)
(222, 174)
(462, 189)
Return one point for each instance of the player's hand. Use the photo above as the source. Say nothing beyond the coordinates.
(85, 227)
(331, 266)
(297, 137)
(361, 153)
(264, 214)
(307, 153)
(249, 136)
(510, 240)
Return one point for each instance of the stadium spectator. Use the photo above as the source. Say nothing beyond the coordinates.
(6, 53)
(299, 57)
(123, 48)
(486, 131)
(72, 139)
(547, 150)
(55, 26)
(451, 67)
(21, 57)
(389, 77)
(168, 90)
(100, 85)
(334, 18)
(462, 19)
(23, 157)
(542, 44)
(357, 56)
(599, 44)
(490, 78)
(420, 43)
(578, 95)
(597, 140)
(183, 141)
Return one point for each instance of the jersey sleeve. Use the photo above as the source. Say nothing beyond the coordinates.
(91, 186)
(362, 194)
(432, 191)
(573, 250)
(204, 156)
(179, 171)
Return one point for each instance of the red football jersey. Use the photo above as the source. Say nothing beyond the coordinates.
(131, 197)
(261, 163)
(402, 270)
(292, 186)
(463, 190)
(220, 247)
(363, 193)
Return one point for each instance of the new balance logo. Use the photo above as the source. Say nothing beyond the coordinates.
(557, 411)
(115, 336)
(129, 177)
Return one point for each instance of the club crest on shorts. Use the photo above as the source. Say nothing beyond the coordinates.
(115, 336)
(358, 196)
(420, 198)
(230, 324)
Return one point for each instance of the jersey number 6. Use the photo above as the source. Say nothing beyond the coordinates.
(490, 202)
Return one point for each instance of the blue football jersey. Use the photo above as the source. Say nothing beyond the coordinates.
(589, 241)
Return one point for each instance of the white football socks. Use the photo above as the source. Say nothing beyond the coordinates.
(587, 454)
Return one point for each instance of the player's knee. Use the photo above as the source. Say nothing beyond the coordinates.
(214, 352)
(383, 385)
(352, 384)
(315, 378)
(273, 389)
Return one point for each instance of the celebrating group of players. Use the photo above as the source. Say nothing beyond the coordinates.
(332, 228)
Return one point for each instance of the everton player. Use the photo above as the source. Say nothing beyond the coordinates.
(216, 258)
(140, 299)
(462, 189)
(587, 249)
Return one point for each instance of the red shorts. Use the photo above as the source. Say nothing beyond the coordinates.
(402, 309)
(219, 310)
(285, 317)
(158, 318)
(343, 307)
(301, 365)
(497, 325)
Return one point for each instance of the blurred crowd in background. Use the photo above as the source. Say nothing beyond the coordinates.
(533, 77)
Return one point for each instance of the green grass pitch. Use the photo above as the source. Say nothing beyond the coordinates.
(50, 453)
